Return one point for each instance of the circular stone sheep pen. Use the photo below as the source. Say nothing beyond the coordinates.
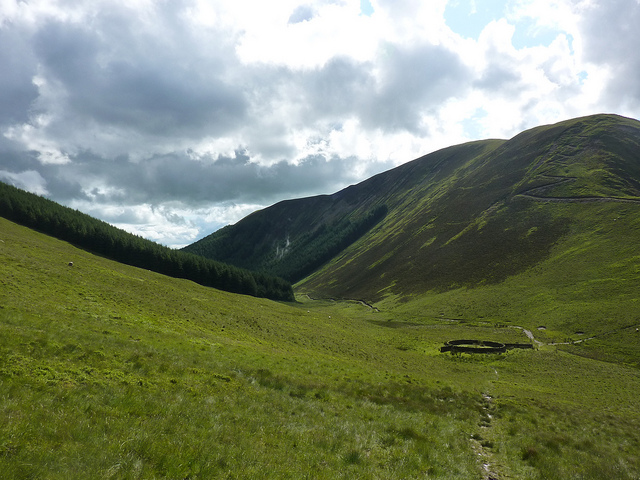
(481, 346)
(473, 346)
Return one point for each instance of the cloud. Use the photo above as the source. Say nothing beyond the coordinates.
(177, 178)
(108, 79)
(27, 179)
(498, 78)
(611, 41)
(302, 13)
(17, 90)
(415, 81)
(158, 198)
(174, 118)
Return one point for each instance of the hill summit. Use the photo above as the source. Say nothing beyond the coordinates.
(465, 216)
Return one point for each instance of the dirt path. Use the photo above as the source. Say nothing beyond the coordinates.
(529, 335)
(481, 442)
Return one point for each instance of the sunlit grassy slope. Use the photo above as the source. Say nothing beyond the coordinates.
(501, 212)
(109, 371)
(540, 229)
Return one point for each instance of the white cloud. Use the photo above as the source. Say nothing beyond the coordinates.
(29, 180)
(183, 115)
(330, 29)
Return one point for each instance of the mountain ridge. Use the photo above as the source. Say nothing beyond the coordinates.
(463, 216)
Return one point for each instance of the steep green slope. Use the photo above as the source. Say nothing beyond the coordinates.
(111, 371)
(586, 288)
(469, 215)
(279, 238)
(495, 215)
(259, 244)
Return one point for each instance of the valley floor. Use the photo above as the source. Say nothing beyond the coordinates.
(108, 371)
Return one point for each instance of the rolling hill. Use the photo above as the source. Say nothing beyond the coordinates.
(99, 237)
(466, 216)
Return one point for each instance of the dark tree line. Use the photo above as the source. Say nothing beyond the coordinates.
(101, 238)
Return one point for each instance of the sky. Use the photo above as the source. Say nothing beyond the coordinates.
(173, 118)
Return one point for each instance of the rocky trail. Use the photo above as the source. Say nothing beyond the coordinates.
(481, 442)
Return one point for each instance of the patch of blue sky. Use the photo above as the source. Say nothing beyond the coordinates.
(469, 17)
(528, 34)
(366, 8)
(473, 125)
(582, 76)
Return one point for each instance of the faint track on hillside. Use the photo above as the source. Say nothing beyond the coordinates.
(529, 335)
(579, 199)
(361, 302)
(536, 193)
(538, 343)
(481, 443)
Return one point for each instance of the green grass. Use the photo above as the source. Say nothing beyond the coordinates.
(474, 215)
(588, 282)
(108, 371)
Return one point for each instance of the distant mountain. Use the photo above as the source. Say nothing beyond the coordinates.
(464, 216)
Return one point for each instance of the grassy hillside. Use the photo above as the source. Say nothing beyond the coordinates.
(587, 285)
(468, 216)
(110, 371)
(279, 238)
(499, 214)
(257, 244)
(99, 237)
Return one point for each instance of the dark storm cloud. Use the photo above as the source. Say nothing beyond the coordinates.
(18, 65)
(20, 169)
(341, 87)
(236, 179)
(612, 38)
(14, 158)
(499, 78)
(178, 178)
(110, 75)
